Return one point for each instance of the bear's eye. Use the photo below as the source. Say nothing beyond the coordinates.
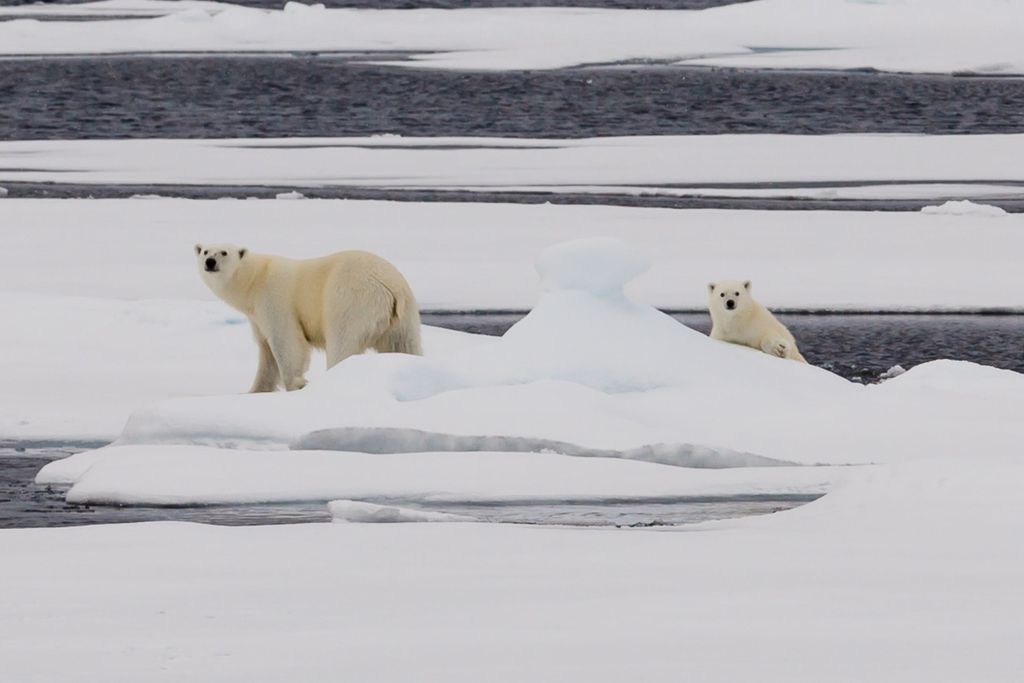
(205, 252)
(223, 253)
(722, 295)
(736, 294)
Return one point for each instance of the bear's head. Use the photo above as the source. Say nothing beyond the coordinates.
(729, 296)
(217, 262)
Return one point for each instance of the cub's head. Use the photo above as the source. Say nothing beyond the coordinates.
(217, 262)
(729, 296)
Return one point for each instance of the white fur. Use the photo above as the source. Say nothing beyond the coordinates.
(748, 323)
(344, 303)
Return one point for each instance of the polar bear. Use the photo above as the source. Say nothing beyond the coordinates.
(344, 303)
(737, 318)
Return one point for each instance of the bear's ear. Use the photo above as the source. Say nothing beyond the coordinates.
(746, 285)
(199, 248)
(241, 253)
(711, 286)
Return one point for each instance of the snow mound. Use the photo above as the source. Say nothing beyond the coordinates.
(355, 511)
(600, 265)
(386, 440)
(294, 194)
(964, 207)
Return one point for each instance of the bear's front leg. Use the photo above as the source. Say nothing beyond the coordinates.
(775, 347)
(267, 374)
(291, 351)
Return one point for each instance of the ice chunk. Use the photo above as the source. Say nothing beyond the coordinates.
(894, 371)
(302, 9)
(964, 207)
(290, 195)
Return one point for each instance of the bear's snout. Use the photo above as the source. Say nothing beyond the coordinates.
(729, 303)
(211, 265)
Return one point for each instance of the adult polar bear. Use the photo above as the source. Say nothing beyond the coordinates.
(344, 303)
(737, 318)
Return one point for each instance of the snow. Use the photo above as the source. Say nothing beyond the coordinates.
(913, 568)
(856, 166)
(289, 195)
(924, 36)
(964, 208)
(353, 511)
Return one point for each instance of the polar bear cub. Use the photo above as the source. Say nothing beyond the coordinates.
(344, 303)
(737, 318)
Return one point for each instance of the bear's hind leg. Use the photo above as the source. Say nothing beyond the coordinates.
(291, 351)
(354, 321)
(403, 337)
(349, 337)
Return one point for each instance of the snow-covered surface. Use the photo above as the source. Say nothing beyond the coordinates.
(587, 366)
(932, 36)
(964, 208)
(906, 573)
(814, 166)
(104, 312)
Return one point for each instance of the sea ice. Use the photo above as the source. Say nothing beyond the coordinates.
(964, 207)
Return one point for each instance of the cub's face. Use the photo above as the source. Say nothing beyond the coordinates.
(217, 262)
(729, 296)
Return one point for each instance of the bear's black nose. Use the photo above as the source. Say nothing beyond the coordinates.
(211, 263)
(730, 304)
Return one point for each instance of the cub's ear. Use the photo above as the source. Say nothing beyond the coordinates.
(711, 286)
(746, 285)
(199, 248)
(242, 253)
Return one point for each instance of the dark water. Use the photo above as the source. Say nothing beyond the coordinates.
(858, 347)
(236, 96)
(453, 4)
(49, 190)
